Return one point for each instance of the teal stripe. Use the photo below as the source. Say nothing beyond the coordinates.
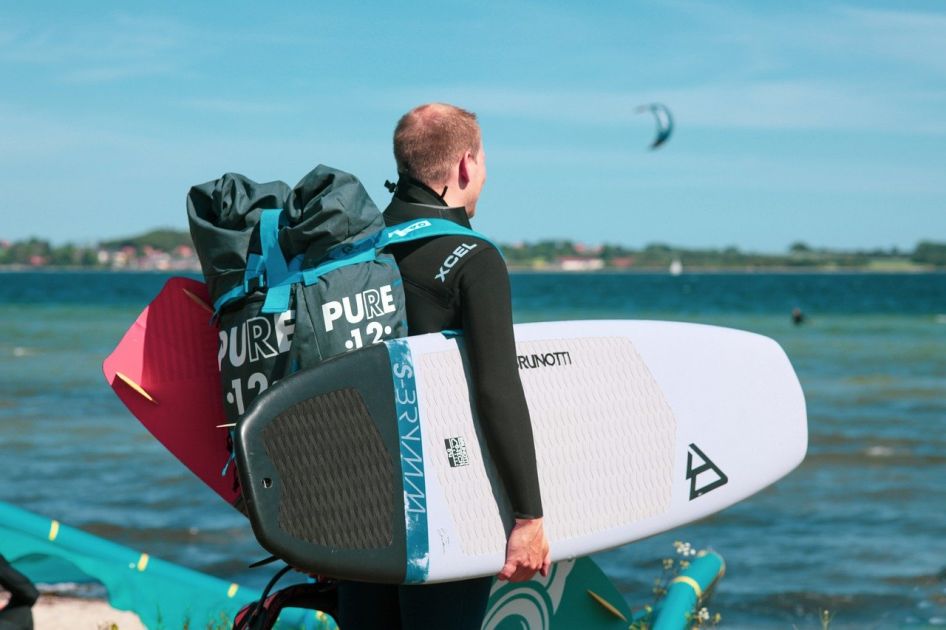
(412, 461)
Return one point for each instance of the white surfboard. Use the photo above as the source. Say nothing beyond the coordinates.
(639, 427)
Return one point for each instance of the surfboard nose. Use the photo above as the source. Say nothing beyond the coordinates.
(738, 404)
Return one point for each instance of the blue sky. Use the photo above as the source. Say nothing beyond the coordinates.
(816, 121)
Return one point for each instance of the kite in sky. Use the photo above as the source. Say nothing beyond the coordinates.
(664, 122)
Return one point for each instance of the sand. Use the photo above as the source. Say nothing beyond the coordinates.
(56, 612)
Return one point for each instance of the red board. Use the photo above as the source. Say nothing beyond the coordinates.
(165, 371)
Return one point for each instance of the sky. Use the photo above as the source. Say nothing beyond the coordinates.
(822, 122)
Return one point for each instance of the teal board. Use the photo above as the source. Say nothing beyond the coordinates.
(162, 594)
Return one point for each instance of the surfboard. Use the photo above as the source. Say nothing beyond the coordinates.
(165, 371)
(370, 466)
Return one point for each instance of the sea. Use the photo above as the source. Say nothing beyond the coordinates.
(858, 530)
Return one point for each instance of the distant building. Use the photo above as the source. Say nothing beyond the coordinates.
(184, 251)
(576, 263)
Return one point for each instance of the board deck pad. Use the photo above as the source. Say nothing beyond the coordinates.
(165, 371)
(639, 427)
(580, 441)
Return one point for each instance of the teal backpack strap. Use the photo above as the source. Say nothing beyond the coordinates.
(401, 233)
(259, 270)
(277, 270)
(426, 228)
(312, 274)
(271, 270)
(233, 294)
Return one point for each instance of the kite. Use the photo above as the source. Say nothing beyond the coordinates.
(664, 122)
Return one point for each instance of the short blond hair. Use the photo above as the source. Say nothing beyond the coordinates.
(429, 138)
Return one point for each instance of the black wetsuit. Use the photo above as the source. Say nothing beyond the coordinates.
(454, 282)
(16, 615)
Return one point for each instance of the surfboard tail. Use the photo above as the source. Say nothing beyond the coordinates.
(319, 461)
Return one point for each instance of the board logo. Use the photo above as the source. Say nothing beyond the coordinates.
(549, 359)
(712, 476)
(456, 451)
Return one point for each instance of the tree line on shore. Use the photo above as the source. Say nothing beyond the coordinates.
(174, 248)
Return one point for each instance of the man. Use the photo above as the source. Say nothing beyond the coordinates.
(442, 169)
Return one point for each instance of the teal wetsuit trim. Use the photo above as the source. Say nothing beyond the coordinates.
(412, 462)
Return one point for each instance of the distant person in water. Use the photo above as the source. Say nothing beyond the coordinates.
(17, 614)
(798, 318)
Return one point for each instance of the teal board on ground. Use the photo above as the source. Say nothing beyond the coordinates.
(162, 594)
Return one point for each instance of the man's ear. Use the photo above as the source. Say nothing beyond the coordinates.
(463, 174)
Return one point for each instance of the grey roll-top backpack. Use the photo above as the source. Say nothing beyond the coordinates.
(297, 275)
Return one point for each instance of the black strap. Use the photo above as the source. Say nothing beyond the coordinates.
(249, 622)
(263, 614)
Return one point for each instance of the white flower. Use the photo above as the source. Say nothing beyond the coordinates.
(683, 548)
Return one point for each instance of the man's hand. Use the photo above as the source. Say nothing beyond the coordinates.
(527, 551)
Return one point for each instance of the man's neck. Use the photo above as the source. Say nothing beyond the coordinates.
(413, 200)
(416, 191)
(410, 189)
(454, 197)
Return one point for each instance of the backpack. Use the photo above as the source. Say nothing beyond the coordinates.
(297, 275)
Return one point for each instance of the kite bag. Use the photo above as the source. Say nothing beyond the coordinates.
(297, 275)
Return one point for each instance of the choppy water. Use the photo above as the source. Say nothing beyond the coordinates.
(858, 528)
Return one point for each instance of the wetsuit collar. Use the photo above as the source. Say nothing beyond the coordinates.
(415, 200)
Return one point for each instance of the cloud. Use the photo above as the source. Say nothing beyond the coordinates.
(813, 105)
(830, 67)
(240, 107)
(111, 49)
(915, 37)
(763, 104)
(805, 169)
(830, 34)
(111, 74)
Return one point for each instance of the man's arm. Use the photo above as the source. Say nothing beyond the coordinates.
(486, 303)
